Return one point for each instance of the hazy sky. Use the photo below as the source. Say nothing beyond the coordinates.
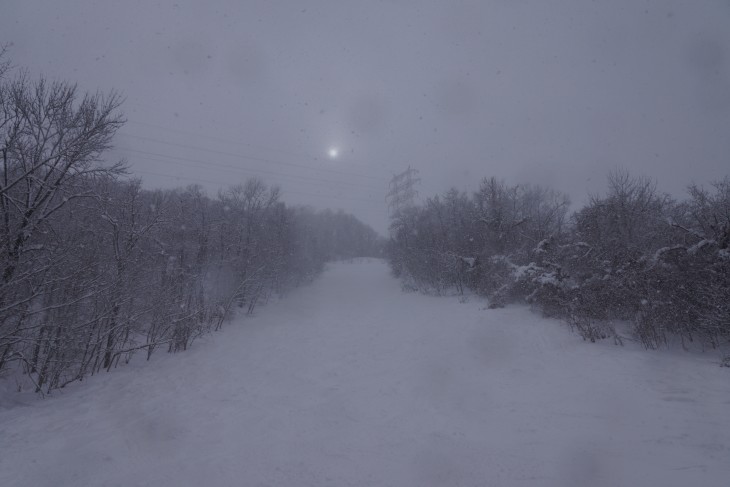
(551, 92)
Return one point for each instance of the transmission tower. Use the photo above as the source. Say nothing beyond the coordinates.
(401, 191)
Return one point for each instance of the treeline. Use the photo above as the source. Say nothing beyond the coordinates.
(95, 269)
(634, 255)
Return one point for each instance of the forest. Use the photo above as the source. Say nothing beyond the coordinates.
(632, 256)
(96, 269)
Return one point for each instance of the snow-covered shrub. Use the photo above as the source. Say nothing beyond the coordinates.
(633, 255)
(687, 294)
(495, 279)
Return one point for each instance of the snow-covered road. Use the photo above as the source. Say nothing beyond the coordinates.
(351, 382)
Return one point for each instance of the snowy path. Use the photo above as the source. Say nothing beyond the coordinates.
(350, 382)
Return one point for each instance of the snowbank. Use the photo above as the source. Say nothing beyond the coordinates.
(352, 382)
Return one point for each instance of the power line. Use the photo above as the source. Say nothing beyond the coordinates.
(179, 160)
(254, 158)
(232, 142)
(221, 139)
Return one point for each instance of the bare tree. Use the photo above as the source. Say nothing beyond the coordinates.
(51, 142)
(93, 268)
(53, 139)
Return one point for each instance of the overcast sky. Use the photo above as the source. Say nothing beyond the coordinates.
(550, 92)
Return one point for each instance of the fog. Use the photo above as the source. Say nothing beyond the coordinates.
(555, 93)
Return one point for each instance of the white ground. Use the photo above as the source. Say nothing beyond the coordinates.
(351, 382)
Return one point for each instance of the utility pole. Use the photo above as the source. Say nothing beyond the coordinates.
(401, 191)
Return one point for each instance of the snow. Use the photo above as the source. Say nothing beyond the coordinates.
(520, 272)
(659, 254)
(699, 246)
(352, 382)
(549, 278)
(542, 246)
